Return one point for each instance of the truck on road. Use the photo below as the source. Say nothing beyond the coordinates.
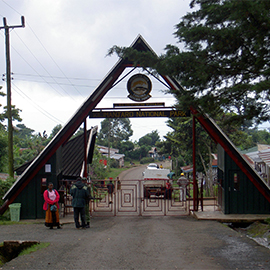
(154, 181)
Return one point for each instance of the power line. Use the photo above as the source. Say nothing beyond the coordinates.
(52, 58)
(43, 66)
(11, 7)
(46, 52)
(58, 83)
(57, 77)
(38, 107)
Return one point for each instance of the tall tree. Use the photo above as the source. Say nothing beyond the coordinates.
(225, 60)
(3, 150)
(55, 130)
(114, 131)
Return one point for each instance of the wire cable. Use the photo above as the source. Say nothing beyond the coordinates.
(38, 107)
(43, 66)
(46, 52)
(52, 58)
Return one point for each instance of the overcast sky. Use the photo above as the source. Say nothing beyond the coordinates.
(59, 58)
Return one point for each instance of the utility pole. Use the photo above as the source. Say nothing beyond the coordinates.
(109, 149)
(8, 80)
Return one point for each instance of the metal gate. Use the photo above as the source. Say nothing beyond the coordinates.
(129, 199)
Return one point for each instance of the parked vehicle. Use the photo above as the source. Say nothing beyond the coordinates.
(152, 166)
(154, 181)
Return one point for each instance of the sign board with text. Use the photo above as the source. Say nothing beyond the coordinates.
(140, 113)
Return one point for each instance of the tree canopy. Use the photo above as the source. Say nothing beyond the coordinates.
(225, 61)
(114, 130)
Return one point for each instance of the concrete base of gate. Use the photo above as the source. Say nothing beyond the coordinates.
(211, 211)
(219, 216)
(208, 214)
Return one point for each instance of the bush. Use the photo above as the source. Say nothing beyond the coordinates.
(4, 187)
(146, 160)
(114, 163)
(267, 221)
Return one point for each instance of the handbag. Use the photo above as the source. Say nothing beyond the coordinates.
(53, 208)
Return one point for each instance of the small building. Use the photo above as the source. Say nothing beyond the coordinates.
(66, 163)
(237, 194)
(112, 153)
(153, 153)
(259, 158)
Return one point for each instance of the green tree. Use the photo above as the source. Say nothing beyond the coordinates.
(149, 138)
(28, 149)
(114, 131)
(96, 168)
(21, 135)
(55, 130)
(154, 136)
(259, 136)
(145, 140)
(3, 150)
(126, 148)
(5, 185)
(225, 60)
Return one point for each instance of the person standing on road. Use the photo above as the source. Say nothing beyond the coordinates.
(182, 183)
(110, 188)
(168, 191)
(51, 206)
(118, 183)
(87, 204)
(80, 194)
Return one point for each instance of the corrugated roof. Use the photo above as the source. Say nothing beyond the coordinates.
(73, 156)
(265, 156)
(115, 156)
(255, 157)
(187, 169)
(248, 159)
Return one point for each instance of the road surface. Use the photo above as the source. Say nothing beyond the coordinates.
(160, 242)
(138, 243)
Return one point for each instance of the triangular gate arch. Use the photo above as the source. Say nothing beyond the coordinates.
(91, 102)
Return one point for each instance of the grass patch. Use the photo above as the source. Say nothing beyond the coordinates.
(2, 258)
(34, 248)
(9, 222)
(114, 172)
(267, 221)
(258, 229)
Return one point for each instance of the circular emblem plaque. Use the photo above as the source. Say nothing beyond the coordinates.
(139, 86)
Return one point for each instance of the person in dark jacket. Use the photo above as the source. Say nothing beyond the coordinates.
(110, 188)
(80, 194)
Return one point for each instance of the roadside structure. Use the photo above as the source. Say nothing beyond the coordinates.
(112, 153)
(66, 164)
(241, 189)
(259, 158)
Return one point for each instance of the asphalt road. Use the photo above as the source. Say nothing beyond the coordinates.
(138, 243)
(160, 242)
